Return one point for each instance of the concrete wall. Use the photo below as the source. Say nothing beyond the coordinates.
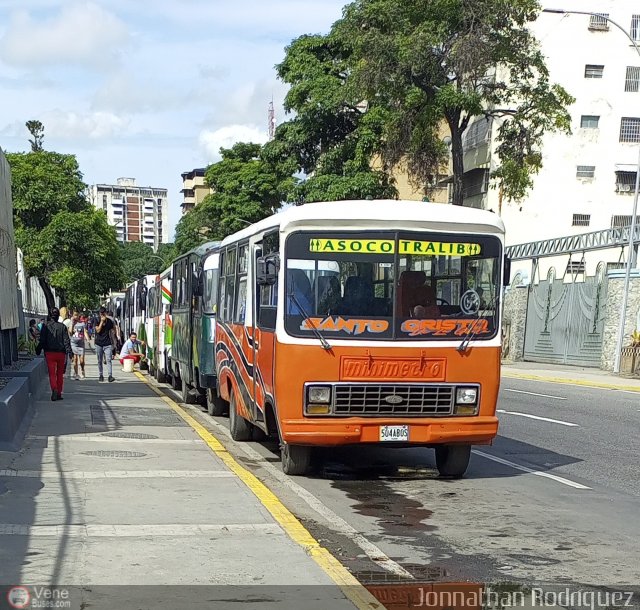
(514, 321)
(612, 319)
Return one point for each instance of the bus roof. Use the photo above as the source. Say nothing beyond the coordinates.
(392, 214)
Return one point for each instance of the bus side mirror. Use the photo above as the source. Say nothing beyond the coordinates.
(267, 270)
(507, 271)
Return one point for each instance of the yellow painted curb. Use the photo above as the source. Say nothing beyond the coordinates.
(580, 382)
(349, 585)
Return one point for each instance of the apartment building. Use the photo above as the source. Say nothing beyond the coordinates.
(194, 188)
(588, 178)
(138, 213)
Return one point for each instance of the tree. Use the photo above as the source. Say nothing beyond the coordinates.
(332, 137)
(36, 129)
(51, 215)
(247, 188)
(78, 253)
(139, 259)
(427, 61)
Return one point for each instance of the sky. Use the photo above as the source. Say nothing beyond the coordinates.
(146, 89)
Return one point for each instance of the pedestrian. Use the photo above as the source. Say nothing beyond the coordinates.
(131, 350)
(104, 344)
(34, 332)
(54, 341)
(79, 339)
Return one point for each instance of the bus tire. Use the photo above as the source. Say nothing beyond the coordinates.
(188, 396)
(160, 376)
(296, 459)
(241, 429)
(452, 461)
(216, 406)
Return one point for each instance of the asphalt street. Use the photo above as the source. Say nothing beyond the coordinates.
(556, 499)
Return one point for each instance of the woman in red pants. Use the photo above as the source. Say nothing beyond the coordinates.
(54, 340)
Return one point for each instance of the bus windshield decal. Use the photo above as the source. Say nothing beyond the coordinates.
(351, 327)
(446, 328)
(385, 246)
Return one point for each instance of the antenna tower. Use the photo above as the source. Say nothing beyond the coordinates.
(272, 121)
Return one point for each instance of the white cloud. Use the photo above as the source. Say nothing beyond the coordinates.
(226, 137)
(81, 33)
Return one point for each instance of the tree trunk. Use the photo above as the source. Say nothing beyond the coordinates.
(457, 159)
(48, 293)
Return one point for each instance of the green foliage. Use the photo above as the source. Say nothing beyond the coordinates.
(66, 243)
(80, 255)
(428, 61)
(331, 138)
(139, 259)
(43, 184)
(36, 129)
(247, 188)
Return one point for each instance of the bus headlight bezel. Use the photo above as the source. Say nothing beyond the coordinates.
(467, 401)
(318, 399)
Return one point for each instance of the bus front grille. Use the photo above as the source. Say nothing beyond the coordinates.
(393, 400)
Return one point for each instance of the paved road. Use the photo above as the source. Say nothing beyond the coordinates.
(556, 499)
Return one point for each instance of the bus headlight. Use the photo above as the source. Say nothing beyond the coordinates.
(318, 400)
(466, 401)
(318, 394)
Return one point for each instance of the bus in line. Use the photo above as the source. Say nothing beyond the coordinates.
(191, 363)
(134, 315)
(160, 315)
(382, 327)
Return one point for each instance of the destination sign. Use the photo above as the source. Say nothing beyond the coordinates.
(386, 246)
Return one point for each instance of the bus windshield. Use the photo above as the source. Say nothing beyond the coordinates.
(404, 286)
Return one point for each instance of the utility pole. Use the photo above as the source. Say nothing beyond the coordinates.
(272, 121)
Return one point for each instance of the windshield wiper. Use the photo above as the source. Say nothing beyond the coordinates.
(475, 327)
(325, 344)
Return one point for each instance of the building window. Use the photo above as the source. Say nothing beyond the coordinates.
(632, 83)
(599, 21)
(589, 121)
(581, 220)
(475, 182)
(625, 182)
(576, 268)
(615, 266)
(635, 27)
(586, 171)
(476, 134)
(593, 71)
(630, 129)
(618, 222)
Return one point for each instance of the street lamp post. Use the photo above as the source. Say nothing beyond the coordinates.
(632, 233)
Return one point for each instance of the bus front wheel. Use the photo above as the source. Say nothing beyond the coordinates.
(215, 405)
(241, 429)
(452, 461)
(296, 459)
(188, 396)
(161, 376)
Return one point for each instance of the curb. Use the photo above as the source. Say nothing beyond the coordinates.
(569, 381)
(353, 590)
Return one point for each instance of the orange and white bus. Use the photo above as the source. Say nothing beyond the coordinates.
(363, 322)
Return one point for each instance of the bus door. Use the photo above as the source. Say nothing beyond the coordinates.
(264, 299)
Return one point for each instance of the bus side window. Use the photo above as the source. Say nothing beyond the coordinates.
(241, 301)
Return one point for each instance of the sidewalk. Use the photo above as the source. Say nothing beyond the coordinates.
(114, 487)
(574, 375)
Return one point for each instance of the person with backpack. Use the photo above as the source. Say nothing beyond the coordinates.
(54, 341)
(104, 344)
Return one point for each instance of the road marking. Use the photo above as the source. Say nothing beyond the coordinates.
(534, 394)
(553, 421)
(112, 439)
(580, 382)
(538, 473)
(118, 474)
(138, 530)
(348, 583)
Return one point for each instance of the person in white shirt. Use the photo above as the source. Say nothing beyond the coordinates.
(131, 350)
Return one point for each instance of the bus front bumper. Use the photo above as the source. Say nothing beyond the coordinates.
(331, 432)
(207, 380)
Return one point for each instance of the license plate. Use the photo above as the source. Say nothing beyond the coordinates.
(396, 434)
